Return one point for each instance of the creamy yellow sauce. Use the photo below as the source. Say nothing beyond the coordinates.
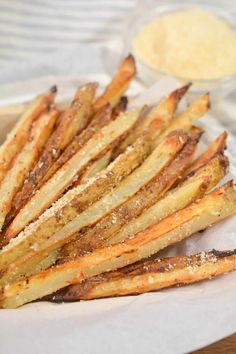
(191, 44)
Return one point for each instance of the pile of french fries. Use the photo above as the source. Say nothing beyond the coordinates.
(90, 194)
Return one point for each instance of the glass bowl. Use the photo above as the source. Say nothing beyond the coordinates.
(146, 11)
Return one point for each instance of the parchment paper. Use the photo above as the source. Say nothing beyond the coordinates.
(171, 321)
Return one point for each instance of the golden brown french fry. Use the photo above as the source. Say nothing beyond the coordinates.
(216, 206)
(118, 84)
(19, 134)
(31, 243)
(104, 231)
(100, 119)
(185, 120)
(25, 160)
(120, 107)
(151, 276)
(158, 118)
(216, 147)
(51, 190)
(194, 187)
(73, 121)
(78, 115)
(165, 109)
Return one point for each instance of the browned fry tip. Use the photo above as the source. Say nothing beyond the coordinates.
(180, 92)
(53, 89)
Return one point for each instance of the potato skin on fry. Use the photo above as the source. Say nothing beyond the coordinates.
(120, 107)
(150, 276)
(215, 148)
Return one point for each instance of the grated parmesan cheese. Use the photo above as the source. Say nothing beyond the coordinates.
(191, 44)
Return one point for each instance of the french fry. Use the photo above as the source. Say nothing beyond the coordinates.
(216, 147)
(164, 110)
(52, 190)
(108, 227)
(203, 180)
(30, 243)
(151, 276)
(118, 84)
(120, 107)
(185, 120)
(19, 134)
(100, 119)
(216, 206)
(25, 161)
(158, 118)
(73, 121)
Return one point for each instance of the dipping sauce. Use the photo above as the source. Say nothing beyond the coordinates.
(191, 44)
